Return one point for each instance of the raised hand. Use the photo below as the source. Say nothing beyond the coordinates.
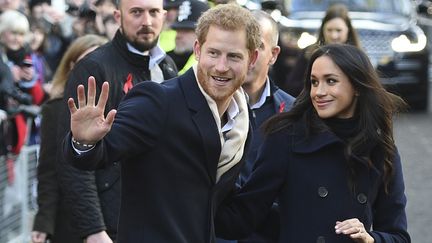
(88, 123)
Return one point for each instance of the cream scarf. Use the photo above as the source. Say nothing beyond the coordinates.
(235, 139)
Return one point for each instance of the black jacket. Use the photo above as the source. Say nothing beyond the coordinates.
(53, 215)
(278, 102)
(94, 197)
(170, 144)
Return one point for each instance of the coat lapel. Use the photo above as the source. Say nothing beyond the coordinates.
(203, 119)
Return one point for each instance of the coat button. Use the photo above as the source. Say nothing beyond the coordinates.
(106, 184)
(322, 191)
(362, 198)
(320, 239)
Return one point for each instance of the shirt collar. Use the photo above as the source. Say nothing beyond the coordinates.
(266, 93)
(232, 111)
(156, 54)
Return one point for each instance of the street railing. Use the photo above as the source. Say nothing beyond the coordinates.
(18, 195)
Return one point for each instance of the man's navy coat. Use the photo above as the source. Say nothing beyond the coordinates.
(171, 146)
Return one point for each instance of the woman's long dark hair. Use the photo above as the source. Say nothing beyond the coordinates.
(375, 107)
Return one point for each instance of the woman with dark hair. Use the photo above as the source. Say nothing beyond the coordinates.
(39, 46)
(331, 160)
(335, 28)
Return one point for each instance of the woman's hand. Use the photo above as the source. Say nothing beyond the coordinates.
(27, 73)
(355, 229)
(101, 237)
(38, 237)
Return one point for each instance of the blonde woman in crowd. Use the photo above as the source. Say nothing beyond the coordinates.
(52, 220)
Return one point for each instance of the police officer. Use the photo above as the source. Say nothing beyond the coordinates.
(188, 14)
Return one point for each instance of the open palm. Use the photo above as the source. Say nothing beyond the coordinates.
(88, 123)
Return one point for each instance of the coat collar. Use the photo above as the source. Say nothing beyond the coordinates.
(318, 141)
(120, 43)
(313, 142)
(203, 119)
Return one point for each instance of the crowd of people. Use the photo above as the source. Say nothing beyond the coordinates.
(161, 122)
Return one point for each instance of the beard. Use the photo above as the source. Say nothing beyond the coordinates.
(218, 95)
(140, 45)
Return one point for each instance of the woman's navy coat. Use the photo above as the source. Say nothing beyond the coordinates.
(309, 177)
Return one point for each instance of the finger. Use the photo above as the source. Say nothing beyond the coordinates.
(72, 106)
(110, 118)
(358, 235)
(37, 238)
(103, 98)
(34, 238)
(342, 225)
(348, 226)
(348, 223)
(81, 96)
(355, 231)
(91, 91)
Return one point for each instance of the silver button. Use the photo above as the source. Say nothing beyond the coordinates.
(320, 239)
(362, 198)
(322, 191)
